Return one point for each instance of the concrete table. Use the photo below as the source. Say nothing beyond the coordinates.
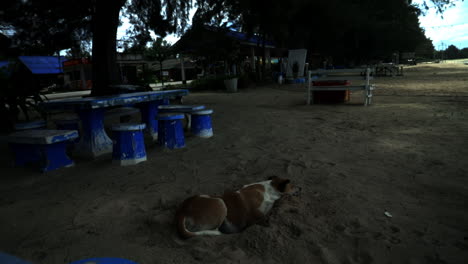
(94, 140)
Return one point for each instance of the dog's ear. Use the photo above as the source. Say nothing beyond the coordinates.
(272, 178)
(282, 185)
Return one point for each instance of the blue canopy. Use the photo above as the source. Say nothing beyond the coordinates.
(250, 39)
(4, 68)
(43, 64)
(4, 64)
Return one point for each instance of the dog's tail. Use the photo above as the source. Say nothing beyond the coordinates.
(184, 233)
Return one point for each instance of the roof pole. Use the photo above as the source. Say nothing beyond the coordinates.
(182, 70)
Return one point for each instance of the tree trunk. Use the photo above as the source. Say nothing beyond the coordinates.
(105, 23)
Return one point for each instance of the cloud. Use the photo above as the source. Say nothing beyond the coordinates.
(451, 29)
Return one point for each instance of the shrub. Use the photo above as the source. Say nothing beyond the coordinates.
(209, 83)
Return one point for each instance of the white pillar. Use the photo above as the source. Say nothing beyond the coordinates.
(267, 58)
(252, 59)
(82, 76)
(182, 69)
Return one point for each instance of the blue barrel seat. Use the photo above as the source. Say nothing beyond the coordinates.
(128, 144)
(171, 133)
(185, 109)
(201, 123)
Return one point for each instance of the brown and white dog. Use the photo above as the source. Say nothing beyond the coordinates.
(232, 212)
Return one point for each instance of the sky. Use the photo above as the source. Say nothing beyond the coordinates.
(451, 29)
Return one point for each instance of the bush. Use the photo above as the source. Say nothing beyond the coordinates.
(246, 80)
(209, 83)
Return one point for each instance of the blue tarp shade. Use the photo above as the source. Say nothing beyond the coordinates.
(4, 64)
(43, 64)
(244, 37)
(4, 68)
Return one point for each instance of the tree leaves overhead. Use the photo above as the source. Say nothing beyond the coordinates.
(43, 27)
(162, 17)
(46, 26)
(345, 28)
(356, 29)
(439, 5)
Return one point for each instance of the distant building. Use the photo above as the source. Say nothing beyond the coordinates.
(223, 44)
(132, 66)
(172, 69)
(78, 75)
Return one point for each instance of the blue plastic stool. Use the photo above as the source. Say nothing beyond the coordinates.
(185, 109)
(201, 123)
(128, 144)
(43, 148)
(104, 261)
(69, 124)
(30, 125)
(171, 133)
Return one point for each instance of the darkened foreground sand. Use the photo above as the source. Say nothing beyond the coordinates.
(406, 154)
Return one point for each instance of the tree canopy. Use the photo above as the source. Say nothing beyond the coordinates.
(340, 27)
(355, 30)
(45, 27)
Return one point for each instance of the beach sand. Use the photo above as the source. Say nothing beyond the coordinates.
(386, 183)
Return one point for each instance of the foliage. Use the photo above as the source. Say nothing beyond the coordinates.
(159, 51)
(464, 53)
(17, 94)
(208, 44)
(208, 83)
(439, 5)
(356, 29)
(44, 27)
(452, 52)
(425, 50)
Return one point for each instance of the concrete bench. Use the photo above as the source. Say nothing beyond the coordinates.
(44, 149)
(38, 124)
(362, 75)
(69, 124)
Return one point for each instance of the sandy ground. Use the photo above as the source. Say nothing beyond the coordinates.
(405, 155)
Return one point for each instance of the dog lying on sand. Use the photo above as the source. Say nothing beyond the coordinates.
(232, 212)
